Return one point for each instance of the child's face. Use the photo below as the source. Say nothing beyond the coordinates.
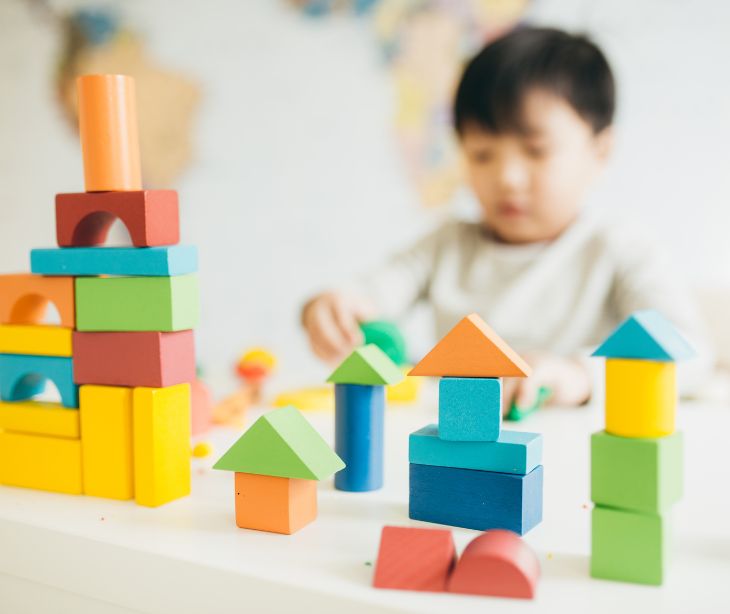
(531, 185)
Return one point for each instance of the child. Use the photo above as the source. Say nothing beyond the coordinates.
(533, 113)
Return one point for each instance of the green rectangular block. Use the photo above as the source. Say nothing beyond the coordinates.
(629, 546)
(137, 303)
(639, 474)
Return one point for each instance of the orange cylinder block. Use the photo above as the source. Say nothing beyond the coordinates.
(109, 137)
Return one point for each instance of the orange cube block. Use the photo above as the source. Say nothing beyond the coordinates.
(24, 299)
(278, 505)
(108, 128)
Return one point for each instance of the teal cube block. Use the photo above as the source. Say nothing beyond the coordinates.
(470, 408)
(514, 452)
(639, 474)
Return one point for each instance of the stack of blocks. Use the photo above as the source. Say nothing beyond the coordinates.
(360, 382)
(636, 462)
(123, 357)
(466, 471)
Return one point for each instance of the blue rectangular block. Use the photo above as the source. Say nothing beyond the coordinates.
(514, 452)
(470, 408)
(359, 425)
(478, 500)
(23, 376)
(128, 261)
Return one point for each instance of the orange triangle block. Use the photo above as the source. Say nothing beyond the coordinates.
(472, 349)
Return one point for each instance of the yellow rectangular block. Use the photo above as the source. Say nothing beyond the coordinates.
(38, 418)
(39, 340)
(106, 428)
(161, 444)
(43, 463)
(641, 398)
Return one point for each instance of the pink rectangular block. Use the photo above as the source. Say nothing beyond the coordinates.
(152, 359)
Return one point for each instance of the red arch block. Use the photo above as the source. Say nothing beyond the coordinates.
(151, 217)
(497, 563)
(24, 299)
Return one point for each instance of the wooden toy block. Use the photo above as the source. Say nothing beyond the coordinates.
(106, 443)
(406, 391)
(161, 435)
(359, 431)
(23, 377)
(515, 452)
(387, 336)
(43, 463)
(108, 129)
(136, 303)
(39, 340)
(275, 504)
(470, 408)
(24, 299)
(39, 418)
(414, 559)
(150, 359)
(646, 335)
(282, 443)
(499, 564)
(629, 546)
(641, 398)
(472, 349)
(201, 400)
(644, 475)
(128, 261)
(367, 366)
(150, 216)
(479, 500)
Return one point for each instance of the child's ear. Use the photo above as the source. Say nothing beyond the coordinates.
(604, 141)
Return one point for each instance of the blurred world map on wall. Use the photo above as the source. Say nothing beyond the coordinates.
(424, 44)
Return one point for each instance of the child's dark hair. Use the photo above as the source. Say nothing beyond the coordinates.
(495, 81)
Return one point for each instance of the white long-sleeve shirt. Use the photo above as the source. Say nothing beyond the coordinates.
(564, 296)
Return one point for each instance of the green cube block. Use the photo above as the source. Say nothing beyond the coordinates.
(639, 474)
(629, 546)
(136, 303)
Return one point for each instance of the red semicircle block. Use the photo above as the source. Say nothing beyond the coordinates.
(496, 563)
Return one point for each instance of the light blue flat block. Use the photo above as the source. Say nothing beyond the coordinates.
(23, 376)
(514, 452)
(129, 261)
(646, 335)
(470, 408)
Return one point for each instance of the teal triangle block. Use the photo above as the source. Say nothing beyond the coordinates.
(646, 335)
(282, 443)
(367, 366)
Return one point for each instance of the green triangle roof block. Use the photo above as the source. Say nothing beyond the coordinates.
(646, 335)
(282, 443)
(368, 366)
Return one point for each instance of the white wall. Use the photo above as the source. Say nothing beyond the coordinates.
(297, 181)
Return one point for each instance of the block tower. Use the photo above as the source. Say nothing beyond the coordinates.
(360, 382)
(636, 462)
(466, 471)
(122, 356)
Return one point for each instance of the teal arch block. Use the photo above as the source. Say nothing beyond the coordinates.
(24, 376)
(129, 261)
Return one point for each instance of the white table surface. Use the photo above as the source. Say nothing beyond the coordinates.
(62, 553)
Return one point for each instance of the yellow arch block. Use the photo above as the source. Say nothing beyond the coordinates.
(641, 398)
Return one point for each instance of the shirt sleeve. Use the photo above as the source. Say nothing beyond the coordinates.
(404, 279)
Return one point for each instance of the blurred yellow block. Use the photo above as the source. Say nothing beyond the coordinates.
(106, 424)
(38, 418)
(161, 419)
(405, 391)
(37, 340)
(641, 398)
(322, 397)
(43, 463)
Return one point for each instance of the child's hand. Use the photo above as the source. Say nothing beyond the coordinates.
(569, 379)
(332, 323)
